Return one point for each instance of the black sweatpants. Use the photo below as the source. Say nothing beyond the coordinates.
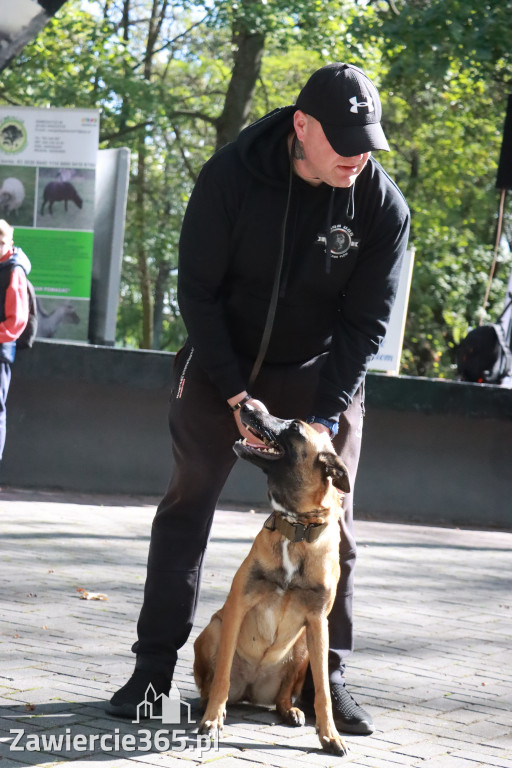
(203, 432)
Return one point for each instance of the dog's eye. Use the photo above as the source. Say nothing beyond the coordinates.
(296, 426)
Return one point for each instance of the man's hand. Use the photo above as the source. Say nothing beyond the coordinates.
(320, 428)
(255, 404)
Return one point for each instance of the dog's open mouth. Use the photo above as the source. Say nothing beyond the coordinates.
(269, 448)
(266, 429)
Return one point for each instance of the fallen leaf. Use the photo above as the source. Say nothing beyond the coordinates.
(84, 595)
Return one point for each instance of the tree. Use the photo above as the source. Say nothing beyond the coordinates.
(216, 93)
(174, 79)
(451, 62)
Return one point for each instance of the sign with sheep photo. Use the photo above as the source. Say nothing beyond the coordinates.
(47, 190)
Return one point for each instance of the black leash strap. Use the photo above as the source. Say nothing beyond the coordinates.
(269, 322)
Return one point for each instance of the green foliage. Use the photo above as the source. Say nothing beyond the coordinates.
(451, 63)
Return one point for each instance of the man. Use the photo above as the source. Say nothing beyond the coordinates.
(298, 191)
(14, 309)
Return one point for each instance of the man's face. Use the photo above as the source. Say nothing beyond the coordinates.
(321, 163)
(5, 244)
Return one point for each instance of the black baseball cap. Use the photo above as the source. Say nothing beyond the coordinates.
(347, 105)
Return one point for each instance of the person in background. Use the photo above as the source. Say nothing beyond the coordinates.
(298, 188)
(14, 311)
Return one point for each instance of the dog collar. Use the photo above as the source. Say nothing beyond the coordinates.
(294, 532)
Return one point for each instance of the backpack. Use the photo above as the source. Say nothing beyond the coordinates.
(26, 339)
(484, 356)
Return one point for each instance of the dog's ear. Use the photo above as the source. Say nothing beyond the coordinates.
(333, 467)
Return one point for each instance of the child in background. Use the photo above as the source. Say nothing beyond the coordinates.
(14, 310)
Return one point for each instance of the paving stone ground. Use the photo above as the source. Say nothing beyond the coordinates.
(433, 658)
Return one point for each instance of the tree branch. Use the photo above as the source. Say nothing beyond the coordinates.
(125, 131)
(173, 40)
(186, 161)
(191, 113)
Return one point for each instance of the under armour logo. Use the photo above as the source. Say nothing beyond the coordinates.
(356, 104)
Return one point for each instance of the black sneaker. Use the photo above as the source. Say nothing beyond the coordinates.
(349, 717)
(125, 702)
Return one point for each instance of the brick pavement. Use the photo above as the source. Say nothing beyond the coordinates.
(433, 661)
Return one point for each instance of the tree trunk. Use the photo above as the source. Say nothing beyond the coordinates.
(162, 280)
(154, 27)
(246, 70)
(142, 260)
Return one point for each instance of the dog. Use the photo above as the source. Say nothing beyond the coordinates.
(257, 647)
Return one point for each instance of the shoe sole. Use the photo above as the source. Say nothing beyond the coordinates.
(363, 728)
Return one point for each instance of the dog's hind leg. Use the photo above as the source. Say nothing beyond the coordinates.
(291, 685)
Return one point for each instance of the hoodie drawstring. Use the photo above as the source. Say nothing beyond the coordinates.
(328, 248)
(349, 215)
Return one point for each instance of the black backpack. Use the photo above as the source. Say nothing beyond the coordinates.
(484, 356)
(28, 335)
(26, 339)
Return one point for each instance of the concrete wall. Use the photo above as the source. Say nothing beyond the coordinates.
(94, 419)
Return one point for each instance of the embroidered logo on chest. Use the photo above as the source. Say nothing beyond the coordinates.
(340, 241)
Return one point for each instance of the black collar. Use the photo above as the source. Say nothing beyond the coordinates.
(294, 532)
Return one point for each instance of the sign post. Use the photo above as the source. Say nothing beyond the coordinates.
(388, 357)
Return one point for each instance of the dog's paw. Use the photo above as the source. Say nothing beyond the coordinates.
(294, 717)
(333, 744)
(212, 727)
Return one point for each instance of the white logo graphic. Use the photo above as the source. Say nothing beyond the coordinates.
(340, 241)
(171, 706)
(356, 104)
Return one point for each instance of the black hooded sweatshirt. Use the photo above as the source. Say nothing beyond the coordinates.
(332, 301)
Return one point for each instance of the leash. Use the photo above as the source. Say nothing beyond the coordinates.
(271, 314)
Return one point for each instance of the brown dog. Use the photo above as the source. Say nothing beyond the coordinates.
(274, 621)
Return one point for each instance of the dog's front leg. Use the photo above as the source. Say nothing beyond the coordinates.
(317, 634)
(233, 613)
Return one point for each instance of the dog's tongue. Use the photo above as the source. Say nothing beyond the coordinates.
(253, 444)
